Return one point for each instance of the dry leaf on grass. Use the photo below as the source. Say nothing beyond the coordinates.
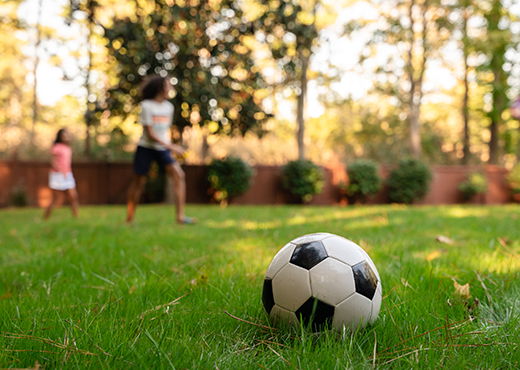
(462, 290)
(444, 239)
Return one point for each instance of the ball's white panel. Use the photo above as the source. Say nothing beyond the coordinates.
(311, 238)
(371, 263)
(280, 260)
(291, 287)
(376, 302)
(332, 281)
(344, 250)
(280, 315)
(353, 313)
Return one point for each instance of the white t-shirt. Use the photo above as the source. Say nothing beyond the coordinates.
(159, 116)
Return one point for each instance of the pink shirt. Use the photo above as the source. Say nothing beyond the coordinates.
(63, 157)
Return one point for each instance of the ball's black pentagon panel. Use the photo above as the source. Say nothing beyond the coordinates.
(365, 278)
(308, 255)
(267, 295)
(316, 313)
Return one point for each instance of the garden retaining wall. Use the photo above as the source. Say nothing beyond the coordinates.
(107, 183)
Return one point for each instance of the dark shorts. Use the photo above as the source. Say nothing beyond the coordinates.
(144, 157)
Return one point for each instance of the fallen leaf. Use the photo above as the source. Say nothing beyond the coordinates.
(444, 239)
(462, 290)
(435, 254)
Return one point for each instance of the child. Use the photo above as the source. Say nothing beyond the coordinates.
(61, 180)
(155, 145)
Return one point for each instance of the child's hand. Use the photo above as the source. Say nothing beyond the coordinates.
(177, 150)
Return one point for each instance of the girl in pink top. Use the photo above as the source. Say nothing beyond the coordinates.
(61, 180)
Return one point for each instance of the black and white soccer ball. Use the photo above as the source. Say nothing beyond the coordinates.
(322, 280)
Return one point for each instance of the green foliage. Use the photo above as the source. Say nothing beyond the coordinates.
(363, 179)
(18, 196)
(475, 184)
(114, 149)
(229, 178)
(409, 182)
(199, 45)
(283, 21)
(514, 179)
(303, 179)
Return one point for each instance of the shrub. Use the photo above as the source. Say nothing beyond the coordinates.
(409, 182)
(229, 178)
(302, 179)
(363, 179)
(18, 196)
(475, 184)
(514, 179)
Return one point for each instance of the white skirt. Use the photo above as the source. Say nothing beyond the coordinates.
(59, 181)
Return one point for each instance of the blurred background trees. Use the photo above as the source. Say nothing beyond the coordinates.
(268, 80)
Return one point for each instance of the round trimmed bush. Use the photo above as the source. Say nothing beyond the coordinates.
(363, 179)
(410, 181)
(229, 178)
(475, 184)
(303, 179)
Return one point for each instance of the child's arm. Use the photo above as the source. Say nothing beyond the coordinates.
(177, 149)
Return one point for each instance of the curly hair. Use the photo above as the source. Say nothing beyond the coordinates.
(153, 86)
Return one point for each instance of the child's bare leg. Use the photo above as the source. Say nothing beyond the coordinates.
(179, 187)
(56, 194)
(72, 196)
(134, 194)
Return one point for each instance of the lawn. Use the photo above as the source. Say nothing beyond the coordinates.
(95, 293)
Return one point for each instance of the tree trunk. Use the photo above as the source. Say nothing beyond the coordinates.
(36, 63)
(416, 84)
(465, 98)
(415, 127)
(88, 112)
(205, 147)
(300, 118)
(465, 117)
(496, 118)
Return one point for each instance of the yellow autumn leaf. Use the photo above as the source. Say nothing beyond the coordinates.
(435, 254)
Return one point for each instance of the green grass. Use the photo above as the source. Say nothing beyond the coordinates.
(93, 292)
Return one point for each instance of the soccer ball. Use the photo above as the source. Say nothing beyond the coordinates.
(322, 280)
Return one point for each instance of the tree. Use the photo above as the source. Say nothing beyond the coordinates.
(289, 29)
(465, 45)
(495, 43)
(416, 30)
(89, 9)
(461, 13)
(200, 46)
(35, 73)
(14, 114)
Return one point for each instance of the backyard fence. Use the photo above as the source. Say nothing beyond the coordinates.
(107, 183)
